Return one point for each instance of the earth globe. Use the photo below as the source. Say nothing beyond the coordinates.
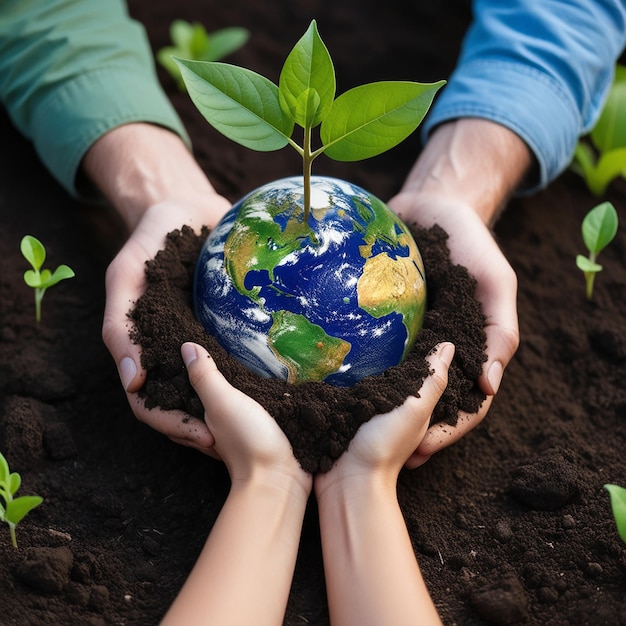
(334, 298)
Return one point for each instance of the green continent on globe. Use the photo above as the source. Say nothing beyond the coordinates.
(304, 348)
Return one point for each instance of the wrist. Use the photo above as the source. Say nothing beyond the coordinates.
(293, 484)
(472, 162)
(139, 165)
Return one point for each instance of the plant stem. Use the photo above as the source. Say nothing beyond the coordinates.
(13, 537)
(590, 277)
(38, 297)
(307, 159)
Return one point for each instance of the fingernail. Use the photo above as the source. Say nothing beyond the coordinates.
(446, 353)
(128, 371)
(189, 353)
(494, 375)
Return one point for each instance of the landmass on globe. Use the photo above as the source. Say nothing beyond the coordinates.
(334, 299)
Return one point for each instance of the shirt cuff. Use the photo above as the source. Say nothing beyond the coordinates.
(525, 100)
(74, 115)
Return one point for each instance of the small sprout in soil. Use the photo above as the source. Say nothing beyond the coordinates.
(254, 112)
(600, 157)
(599, 227)
(191, 41)
(13, 510)
(618, 504)
(35, 253)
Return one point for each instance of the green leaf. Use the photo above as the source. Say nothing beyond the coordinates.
(17, 509)
(585, 159)
(368, 120)
(15, 480)
(32, 279)
(33, 251)
(599, 227)
(181, 33)
(610, 165)
(307, 80)
(60, 273)
(610, 130)
(4, 469)
(239, 103)
(618, 504)
(199, 41)
(223, 42)
(586, 265)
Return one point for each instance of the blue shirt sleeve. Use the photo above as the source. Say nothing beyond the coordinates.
(542, 68)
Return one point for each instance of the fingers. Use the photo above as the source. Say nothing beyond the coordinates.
(440, 436)
(124, 284)
(176, 425)
(498, 296)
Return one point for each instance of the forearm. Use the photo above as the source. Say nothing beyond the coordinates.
(244, 573)
(470, 161)
(139, 165)
(372, 576)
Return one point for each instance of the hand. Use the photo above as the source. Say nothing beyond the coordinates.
(383, 444)
(153, 181)
(125, 282)
(247, 438)
(460, 182)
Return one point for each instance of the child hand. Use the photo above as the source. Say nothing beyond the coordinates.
(386, 442)
(247, 438)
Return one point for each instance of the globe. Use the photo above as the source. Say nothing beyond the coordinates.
(334, 299)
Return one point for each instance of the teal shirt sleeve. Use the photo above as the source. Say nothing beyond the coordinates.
(542, 68)
(71, 70)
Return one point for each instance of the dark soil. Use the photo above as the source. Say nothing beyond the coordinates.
(319, 419)
(510, 525)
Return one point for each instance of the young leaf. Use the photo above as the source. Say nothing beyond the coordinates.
(239, 103)
(370, 119)
(307, 80)
(610, 165)
(599, 227)
(223, 42)
(60, 273)
(33, 251)
(18, 508)
(584, 264)
(618, 504)
(610, 129)
(15, 480)
(4, 470)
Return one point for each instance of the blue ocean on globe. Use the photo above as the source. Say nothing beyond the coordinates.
(334, 299)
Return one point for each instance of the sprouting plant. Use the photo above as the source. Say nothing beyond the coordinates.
(600, 157)
(37, 278)
(599, 227)
(251, 110)
(13, 510)
(618, 504)
(191, 41)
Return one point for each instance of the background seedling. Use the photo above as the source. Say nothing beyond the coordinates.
(13, 510)
(599, 227)
(37, 278)
(191, 41)
(601, 156)
(618, 504)
(251, 110)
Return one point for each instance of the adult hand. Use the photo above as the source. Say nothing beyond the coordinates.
(125, 283)
(152, 179)
(460, 182)
(247, 438)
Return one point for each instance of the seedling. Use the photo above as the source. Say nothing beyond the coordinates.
(601, 156)
(254, 112)
(191, 41)
(599, 227)
(13, 510)
(37, 278)
(618, 504)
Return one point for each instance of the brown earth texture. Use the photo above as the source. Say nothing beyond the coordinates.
(511, 525)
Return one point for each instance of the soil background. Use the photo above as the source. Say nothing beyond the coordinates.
(510, 525)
